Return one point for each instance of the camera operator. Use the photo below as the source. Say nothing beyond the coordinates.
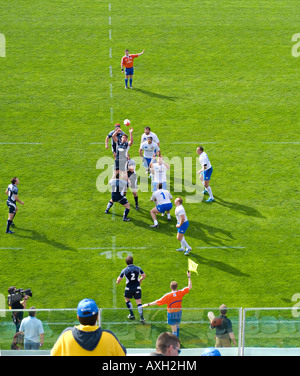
(17, 316)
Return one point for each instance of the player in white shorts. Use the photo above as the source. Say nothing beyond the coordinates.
(149, 150)
(182, 226)
(162, 199)
(205, 172)
(159, 173)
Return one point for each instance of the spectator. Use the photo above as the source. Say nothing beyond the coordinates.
(223, 326)
(167, 344)
(87, 338)
(33, 331)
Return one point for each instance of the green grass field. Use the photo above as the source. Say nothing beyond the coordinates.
(215, 73)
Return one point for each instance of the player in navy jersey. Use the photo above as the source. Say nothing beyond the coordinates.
(12, 193)
(113, 143)
(118, 194)
(121, 152)
(132, 274)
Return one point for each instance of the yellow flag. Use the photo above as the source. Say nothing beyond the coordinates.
(192, 266)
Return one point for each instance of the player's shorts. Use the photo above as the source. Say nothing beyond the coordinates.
(11, 207)
(120, 164)
(164, 207)
(129, 71)
(155, 185)
(174, 318)
(207, 173)
(133, 293)
(146, 161)
(117, 197)
(182, 229)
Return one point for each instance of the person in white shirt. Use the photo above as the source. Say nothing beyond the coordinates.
(147, 132)
(162, 199)
(149, 150)
(182, 226)
(33, 331)
(205, 172)
(159, 173)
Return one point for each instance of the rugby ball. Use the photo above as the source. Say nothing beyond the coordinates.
(127, 122)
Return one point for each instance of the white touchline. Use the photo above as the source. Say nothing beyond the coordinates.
(21, 143)
(221, 247)
(116, 248)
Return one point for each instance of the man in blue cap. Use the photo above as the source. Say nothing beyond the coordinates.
(87, 339)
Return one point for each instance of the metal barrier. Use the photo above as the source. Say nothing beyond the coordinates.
(256, 330)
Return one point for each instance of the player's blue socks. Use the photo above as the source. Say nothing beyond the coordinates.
(177, 331)
(126, 82)
(130, 82)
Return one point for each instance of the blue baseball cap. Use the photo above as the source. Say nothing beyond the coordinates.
(211, 351)
(86, 308)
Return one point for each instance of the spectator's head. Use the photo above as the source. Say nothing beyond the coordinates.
(32, 312)
(87, 312)
(168, 344)
(211, 351)
(223, 309)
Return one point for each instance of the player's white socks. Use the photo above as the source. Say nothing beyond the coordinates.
(209, 192)
(168, 215)
(155, 222)
(184, 244)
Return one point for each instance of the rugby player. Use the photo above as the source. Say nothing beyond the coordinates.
(134, 276)
(12, 193)
(205, 172)
(182, 226)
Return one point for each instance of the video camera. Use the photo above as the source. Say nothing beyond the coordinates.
(16, 295)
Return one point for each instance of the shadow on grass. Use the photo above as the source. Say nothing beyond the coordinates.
(243, 209)
(43, 239)
(219, 265)
(155, 95)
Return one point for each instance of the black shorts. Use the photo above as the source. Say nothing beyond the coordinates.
(117, 197)
(11, 207)
(133, 293)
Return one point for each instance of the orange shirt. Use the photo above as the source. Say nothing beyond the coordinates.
(127, 61)
(173, 299)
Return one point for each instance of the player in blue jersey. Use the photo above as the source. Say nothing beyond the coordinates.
(12, 193)
(134, 276)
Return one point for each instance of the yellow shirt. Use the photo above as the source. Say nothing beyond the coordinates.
(85, 340)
